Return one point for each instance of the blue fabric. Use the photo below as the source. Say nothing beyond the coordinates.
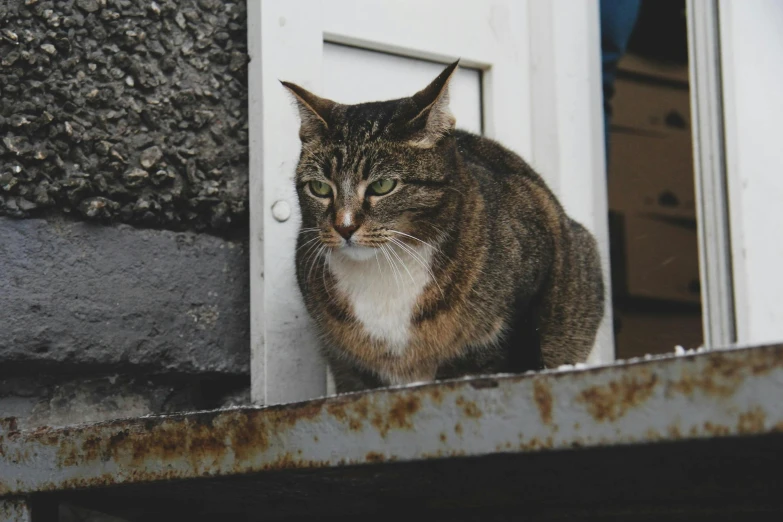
(618, 18)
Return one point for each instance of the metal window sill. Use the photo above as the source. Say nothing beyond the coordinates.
(715, 412)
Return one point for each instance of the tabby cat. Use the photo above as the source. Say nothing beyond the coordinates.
(427, 252)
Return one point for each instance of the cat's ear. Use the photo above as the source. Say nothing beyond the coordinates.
(314, 112)
(434, 118)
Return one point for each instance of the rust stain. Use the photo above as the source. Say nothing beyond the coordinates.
(436, 394)
(354, 413)
(720, 378)
(373, 456)
(468, 408)
(287, 461)
(205, 443)
(674, 432)
(500, 448)
(716, 429)
(543, 397)
(763, 360)
(443, 453)
(752, 421)
(400, 415)
(612, 401)
(536, 443)
(233, 442)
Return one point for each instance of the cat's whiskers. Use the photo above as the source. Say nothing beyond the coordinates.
(391, 265)
(308, 242)
(377, 261)
(410, 250)
(419, 259)
(310, 251)
(414, 238)
(413, 281)
(327, 260)
(394, 267)
(314, 261)
(435, 227)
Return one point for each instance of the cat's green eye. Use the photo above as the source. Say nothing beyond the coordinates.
(320, 188)
(382, 186)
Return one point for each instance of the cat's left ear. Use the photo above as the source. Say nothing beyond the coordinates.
(314, 112)
(434, 119)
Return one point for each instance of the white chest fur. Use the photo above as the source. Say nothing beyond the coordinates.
(383, 290)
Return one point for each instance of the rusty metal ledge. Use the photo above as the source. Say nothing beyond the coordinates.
(714, 394)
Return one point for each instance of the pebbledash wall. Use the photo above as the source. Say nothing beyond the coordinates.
(123, 208)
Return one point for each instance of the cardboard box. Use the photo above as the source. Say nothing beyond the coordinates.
(652, 174)
(651, 107)
(635, 64)
(642, 333)
(661, 260)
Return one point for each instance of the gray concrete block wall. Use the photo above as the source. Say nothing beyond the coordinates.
(99, 322)
(117, 113)
(118, 298)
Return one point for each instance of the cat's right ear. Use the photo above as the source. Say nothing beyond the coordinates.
(434, 119)
(314, 112)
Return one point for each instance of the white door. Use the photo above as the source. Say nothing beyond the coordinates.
(350, 51)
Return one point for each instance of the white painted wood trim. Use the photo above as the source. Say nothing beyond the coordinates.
(290, 49)
(710, 173)
(255, 196)
(751, 48)
(736, 222)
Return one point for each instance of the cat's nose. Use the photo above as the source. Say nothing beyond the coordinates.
(346, 230)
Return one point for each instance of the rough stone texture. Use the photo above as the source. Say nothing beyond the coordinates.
(130, 111)
(78, 297)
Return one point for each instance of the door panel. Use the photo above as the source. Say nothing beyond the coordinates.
(353, 75)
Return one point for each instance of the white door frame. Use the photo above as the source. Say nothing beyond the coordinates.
(736, 70)
(709, 161)
(547, 110)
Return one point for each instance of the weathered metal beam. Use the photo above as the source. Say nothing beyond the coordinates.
(709, 395)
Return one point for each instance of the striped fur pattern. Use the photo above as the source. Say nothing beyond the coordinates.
(467, 265)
